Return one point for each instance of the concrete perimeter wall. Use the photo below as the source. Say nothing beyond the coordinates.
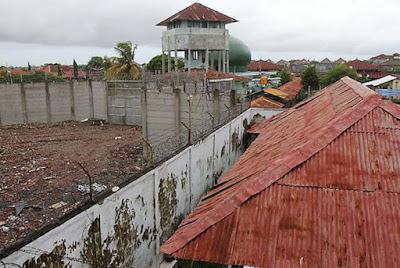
(127, 228)
(52, 102)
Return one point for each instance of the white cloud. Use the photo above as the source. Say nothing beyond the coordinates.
(272, 29)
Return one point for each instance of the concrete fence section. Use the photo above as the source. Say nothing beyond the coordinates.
(52, 102)
(127, 228)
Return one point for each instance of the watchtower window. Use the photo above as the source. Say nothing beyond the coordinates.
(174, 24)
(193, 24)
(215, 24)
(203, 24)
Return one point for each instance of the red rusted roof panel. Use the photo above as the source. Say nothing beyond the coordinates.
(264, 102)
(299, 137)
(285, 226)
(198, 12)
(292, 88)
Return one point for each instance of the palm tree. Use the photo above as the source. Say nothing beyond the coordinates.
(124, 67)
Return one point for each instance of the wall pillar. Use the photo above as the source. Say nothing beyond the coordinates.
(219, 61)
(72, 100)
(91, 100)
(144, 119)
(177, 111)
(163, 62)
(169, 61)
(176, 61)
(212, 60)
(224, 61)
(48, 107)
(23, 102)
(207, 60)
(227, 61)
(216, 106)
(189, 60)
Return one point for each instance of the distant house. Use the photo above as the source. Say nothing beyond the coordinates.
(283, 63)
(299, 66)
(263, 65)
(339, 61)
(382, 58)
(324, 66)
(366, 69)
(51, 68)
(13, 71)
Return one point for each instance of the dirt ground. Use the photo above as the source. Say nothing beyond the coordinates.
(39, 170)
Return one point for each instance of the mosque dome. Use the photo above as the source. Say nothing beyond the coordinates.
(239, 55)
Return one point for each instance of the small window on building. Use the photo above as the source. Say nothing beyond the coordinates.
(196, 24)
(177, 24)
(203, 24)
(190, 24)
(213, 24)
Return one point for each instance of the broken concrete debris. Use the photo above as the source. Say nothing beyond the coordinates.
(97, 188)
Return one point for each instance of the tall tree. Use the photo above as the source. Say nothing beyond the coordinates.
(155, 63)
(285, 76)
(29, 67)
(124, 67)
(310, 78)
(75, 69)
(59, 70)
(336, 73)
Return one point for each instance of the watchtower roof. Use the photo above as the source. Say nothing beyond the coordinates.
(198, 12)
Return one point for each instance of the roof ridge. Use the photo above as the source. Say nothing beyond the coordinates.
(257, 182)
(358, 88)
(334, 189)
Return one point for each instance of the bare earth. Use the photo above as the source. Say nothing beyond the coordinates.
(39, 168)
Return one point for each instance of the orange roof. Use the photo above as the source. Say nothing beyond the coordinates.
(198, 12)
(320, 186)
(264, 102)
(291, 88)
(263, 66)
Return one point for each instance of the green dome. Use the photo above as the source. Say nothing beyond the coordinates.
(239, 55)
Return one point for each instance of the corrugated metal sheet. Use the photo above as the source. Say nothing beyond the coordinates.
(285, 226)
(275, 92)
(292, 149)
(264, 102)
(291, 88)
(198, 12)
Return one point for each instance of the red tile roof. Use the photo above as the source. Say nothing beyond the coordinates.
(361, 65)
(264, 102)
(376, 75)
(198, 12)
(292, 88)
(339, 61)
(319, 187)
(263, 66)
(326, 60)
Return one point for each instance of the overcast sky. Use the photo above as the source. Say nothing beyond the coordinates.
(58, 31)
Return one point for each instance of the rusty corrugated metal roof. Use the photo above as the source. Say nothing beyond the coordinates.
(341, 146)
(264, 102)
(198, 12)
(291, 88)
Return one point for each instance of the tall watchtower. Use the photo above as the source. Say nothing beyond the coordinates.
(200, 32)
